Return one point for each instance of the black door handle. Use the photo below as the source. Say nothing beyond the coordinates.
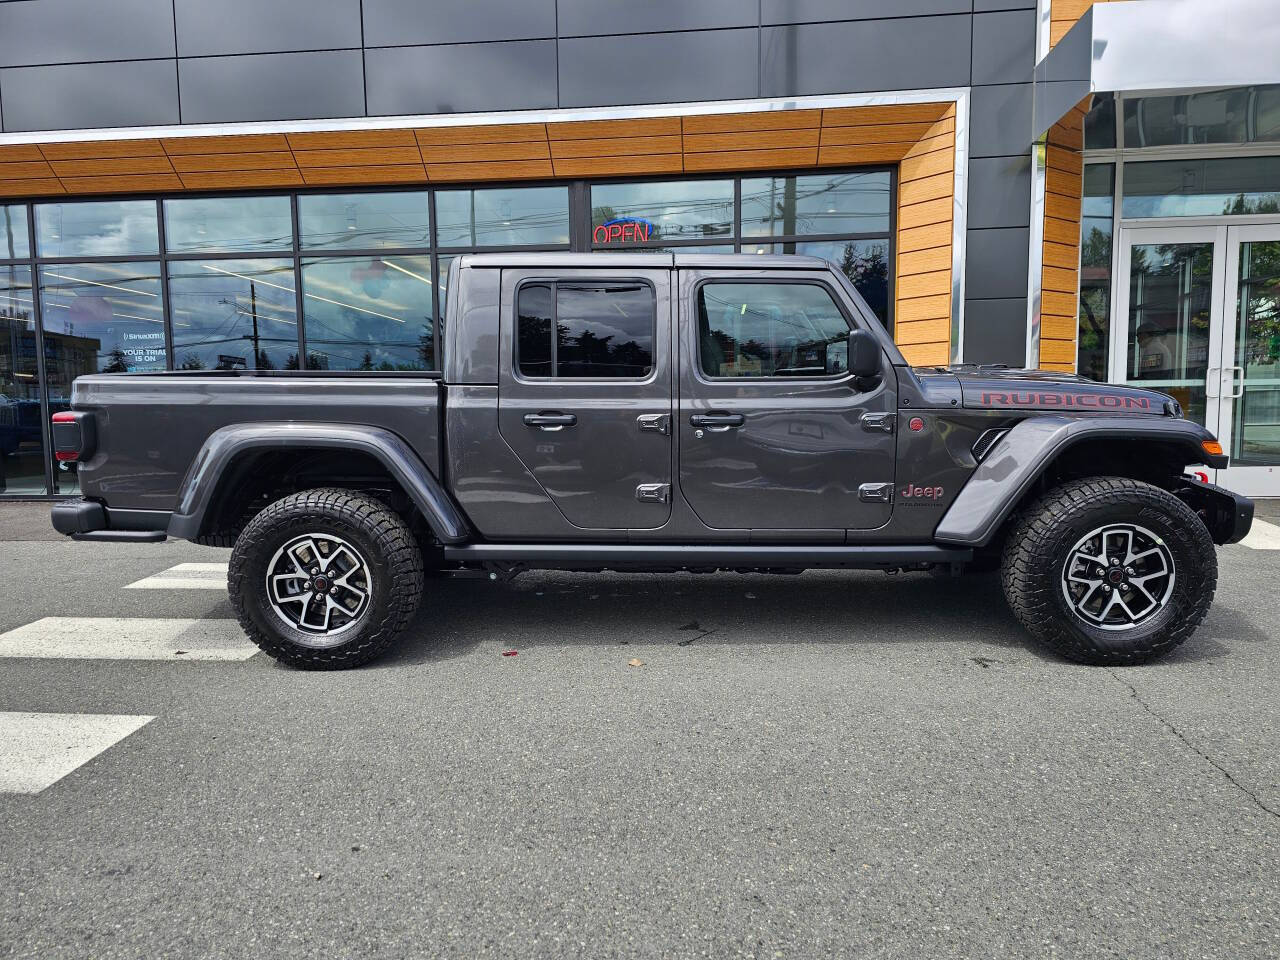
(717, 421)
(550, 421)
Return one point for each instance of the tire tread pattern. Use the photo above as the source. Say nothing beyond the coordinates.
(1030, 572)
(394, 543)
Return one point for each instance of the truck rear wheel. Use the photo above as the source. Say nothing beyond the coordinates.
(325, 579)
(1109, 571)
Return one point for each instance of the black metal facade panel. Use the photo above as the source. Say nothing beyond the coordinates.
(1000, 120)
(996, 264)
(78, 95)
(1004, 46)
(854, 56)
(272, 86)
(461, 78)
(253, 26)
(658, 68)
(995, 331)
(413, 22)
(589, 18)
(816, 11)
(999, 192)
(37, 32)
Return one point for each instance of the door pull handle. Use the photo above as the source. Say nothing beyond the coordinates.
(550, 422)
(717, 421)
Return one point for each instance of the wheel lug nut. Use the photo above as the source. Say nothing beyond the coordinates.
(1106, 588)
(1128, 571)
(315, 570)
(1115, 562)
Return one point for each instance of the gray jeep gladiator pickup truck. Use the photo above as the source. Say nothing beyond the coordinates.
(657, 412)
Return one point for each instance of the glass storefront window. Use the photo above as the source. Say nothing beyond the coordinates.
(233, 315)
(502, 216)
(1202, 188)
(21, 438)
(363, 313)
(1095, 270)
(630, 213)
(15, 242)
(1237, 115)
(1100, 123)
(227, 225)
(100, 228)
(100, 318)
(865, 262)
(825, 204)
(364, 221)
(442, 280)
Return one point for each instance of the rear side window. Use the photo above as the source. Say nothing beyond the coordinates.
(770, 330)
(599, 330)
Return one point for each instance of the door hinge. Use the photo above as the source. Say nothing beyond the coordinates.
(653, 492)
(879, 422)
(876, 492)
(655, 422)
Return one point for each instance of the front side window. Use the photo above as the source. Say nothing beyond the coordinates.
(770, 330)
(602, 330)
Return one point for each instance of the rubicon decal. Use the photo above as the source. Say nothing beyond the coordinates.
(1088, 401)
(917, 494)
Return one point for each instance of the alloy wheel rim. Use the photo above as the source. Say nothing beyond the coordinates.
(320, 585)
(1118, 576)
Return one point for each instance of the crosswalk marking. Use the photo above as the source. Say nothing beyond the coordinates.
(1263, 536)
(128, 638)
(186, 576)
(39, 749)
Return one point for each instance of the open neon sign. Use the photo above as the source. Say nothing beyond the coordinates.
(622, 230)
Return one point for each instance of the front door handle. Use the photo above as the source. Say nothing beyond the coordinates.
(550, 421)
(717, 421)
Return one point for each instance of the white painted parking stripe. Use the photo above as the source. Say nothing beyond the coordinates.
(128, 638)
(186, 576)
(39, 749)
(1263, 536)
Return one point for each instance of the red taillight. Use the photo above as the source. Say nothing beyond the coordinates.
(74, 435)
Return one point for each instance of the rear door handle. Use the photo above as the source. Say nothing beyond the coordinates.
(550, 421)
(717, 421)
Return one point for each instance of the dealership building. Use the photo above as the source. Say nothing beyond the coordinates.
(282, 184)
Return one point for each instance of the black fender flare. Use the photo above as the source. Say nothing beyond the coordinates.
(1025, 452)
(205, 473)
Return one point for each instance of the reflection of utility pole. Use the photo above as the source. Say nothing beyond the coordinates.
(8, 230)
(253, 306)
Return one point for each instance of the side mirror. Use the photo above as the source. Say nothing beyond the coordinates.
(864, 355)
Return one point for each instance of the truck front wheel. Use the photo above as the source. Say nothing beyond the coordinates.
(1109, 570)
(325, 579)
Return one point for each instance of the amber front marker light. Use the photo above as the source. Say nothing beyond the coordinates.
(1212, 447)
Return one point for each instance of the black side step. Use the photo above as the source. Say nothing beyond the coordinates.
(123, 536)
(716, 555)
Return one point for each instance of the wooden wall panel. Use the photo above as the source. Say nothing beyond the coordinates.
(1063, 15)
(926, 178)
(919, 138)
(1059, 276)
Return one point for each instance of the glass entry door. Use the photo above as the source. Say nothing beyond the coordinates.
(1249, 405)
(1200, 307)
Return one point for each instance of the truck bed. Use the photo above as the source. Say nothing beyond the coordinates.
(151, 426)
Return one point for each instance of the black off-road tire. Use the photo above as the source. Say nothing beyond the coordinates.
(385, 542)
(1043, 537)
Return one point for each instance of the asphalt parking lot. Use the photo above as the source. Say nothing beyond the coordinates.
(830, 765)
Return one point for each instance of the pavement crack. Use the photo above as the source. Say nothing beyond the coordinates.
(1257, 802)
(688, 640)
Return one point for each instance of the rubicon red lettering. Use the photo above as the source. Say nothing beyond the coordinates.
(1086, 401)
